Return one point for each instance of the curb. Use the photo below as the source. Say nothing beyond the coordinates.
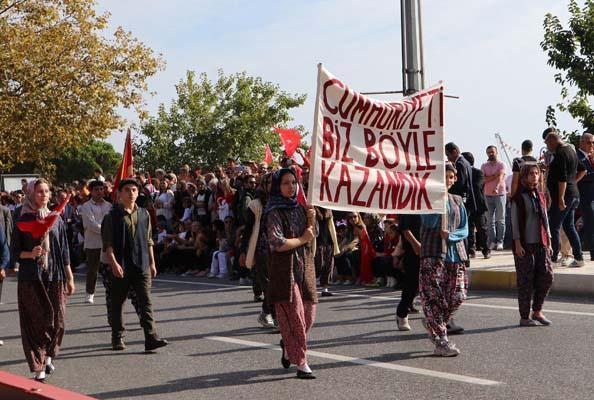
(565, 284)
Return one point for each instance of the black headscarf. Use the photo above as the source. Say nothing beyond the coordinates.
(276, 199)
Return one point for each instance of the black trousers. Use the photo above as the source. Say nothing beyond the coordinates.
(410, 284)
(141, 283)
(261, 281)
(477, 240)
(107, 278)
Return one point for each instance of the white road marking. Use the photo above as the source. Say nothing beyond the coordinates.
(369, 363)
(347, 293)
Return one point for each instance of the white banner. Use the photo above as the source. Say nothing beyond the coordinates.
(375, 156)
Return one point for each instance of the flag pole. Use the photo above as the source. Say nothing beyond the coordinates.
(314, 140)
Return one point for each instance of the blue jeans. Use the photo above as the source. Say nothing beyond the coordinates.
(496, 218)
(565, 218)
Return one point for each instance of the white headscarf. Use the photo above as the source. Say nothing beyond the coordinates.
(30, 206)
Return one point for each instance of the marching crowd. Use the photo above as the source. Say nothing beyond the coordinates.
(251, 223)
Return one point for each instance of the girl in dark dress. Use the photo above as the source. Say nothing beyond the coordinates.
(44, 281)
(292, 290)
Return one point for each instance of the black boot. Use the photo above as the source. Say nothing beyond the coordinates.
(117, 343)
(153, 342)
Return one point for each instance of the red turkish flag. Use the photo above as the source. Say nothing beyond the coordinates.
(290, 139)
(39, 227)
(268, 156)
(126, 168)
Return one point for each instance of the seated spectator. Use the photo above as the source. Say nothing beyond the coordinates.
(347, 261)
(219, 267)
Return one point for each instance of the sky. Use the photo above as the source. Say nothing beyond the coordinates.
(487, 52)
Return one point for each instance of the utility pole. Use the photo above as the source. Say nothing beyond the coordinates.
(413, 68)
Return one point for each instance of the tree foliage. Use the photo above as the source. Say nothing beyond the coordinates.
(213, 120)
(571, 50)
(77, 163)
(62, 78)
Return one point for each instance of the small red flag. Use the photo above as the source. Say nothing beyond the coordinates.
(126, 168)
(268, 156)
(39, 227)
(290, 139)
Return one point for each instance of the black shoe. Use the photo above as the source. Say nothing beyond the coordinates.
(326, 293)
(413, 310)
(258, 298)
(153, 343)
(286, 363)
(117, 344)
(305, 375)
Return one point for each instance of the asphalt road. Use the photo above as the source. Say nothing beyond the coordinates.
(218, 351)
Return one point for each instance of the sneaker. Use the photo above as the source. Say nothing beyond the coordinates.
(222, 276)
(445, 349)
(454, 329)
(347, 283)
(499, 247)
(403, 324)
(527, 322)
(566, 261)
(211, 275)
(486, 255)
(265, 320)
(50, 368)
(378, 282)
(39, 376)
(90, 299)
(327, 293)
(276, 327)
(576, 264)
(258, 298)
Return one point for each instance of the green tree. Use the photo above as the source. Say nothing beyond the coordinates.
(213, 120)
(62, 77)
(571, 51)
(78, 163)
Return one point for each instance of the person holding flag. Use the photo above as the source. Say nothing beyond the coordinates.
(442, 275)
(292, 287)
(40, 245)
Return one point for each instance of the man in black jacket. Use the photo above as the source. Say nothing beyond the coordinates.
(586, 189)
(477, 219)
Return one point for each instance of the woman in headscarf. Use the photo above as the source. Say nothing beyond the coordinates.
(44, 281)
(292, 290)
(532, 246)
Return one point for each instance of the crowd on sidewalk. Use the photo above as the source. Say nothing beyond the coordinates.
(231, 222)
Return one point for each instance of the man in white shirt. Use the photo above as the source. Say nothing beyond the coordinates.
(92, 213)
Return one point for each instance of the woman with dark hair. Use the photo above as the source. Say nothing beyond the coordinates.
(292, 290)
(442, 276)
(348, 258)
(44, 281)
(532, 246)
(254, 251)
(326, 248)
